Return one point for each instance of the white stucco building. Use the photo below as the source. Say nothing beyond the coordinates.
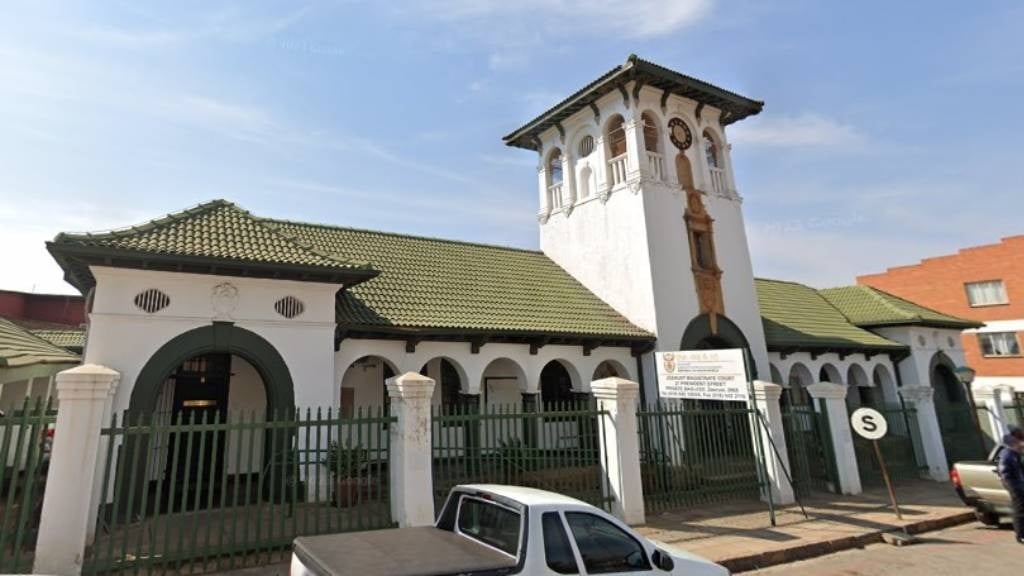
(643, 248)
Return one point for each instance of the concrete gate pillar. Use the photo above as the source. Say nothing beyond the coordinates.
(994, 420)
(412, 480)
(928, 431)
(84, 393)
(833, 400)
(620, 445)
(770, 433)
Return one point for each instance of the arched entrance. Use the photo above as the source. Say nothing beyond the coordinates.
(961, 436)
(700, 336)
(196, 387)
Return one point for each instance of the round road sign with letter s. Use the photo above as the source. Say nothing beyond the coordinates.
(869, 423)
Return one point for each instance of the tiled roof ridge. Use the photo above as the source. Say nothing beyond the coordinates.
(17, 331)
(402, 235)
(150, 224)
(202, 208)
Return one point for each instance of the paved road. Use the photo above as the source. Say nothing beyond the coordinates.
(968, 550)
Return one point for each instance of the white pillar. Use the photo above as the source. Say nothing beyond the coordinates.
(994, 420)
(770, 433)
(928, 431)
(412, 485)
(83, 393)
(834, 398)
(635, 151)
(620, 445)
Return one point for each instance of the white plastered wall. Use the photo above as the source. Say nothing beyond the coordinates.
(628, 243)
(123, 337)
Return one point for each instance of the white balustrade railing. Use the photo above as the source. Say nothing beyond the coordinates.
(617, 169)
(718, 180)
(555, 196)
(656, 164)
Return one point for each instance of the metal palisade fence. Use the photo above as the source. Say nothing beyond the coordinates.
(214, 493)
(553, 446)
(693, 453)
(25, 437)
(900, 447)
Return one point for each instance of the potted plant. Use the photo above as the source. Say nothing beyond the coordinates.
(346, 463)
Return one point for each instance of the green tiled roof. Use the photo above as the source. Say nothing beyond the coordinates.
(19, 347)
(417, 283)
(217, 234)
(866, 306)
(71, 338)
(448, 285)
(798, 317)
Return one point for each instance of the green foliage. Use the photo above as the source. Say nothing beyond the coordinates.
(346, 461)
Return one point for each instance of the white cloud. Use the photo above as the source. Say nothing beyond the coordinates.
(629, 18)
(796, 131)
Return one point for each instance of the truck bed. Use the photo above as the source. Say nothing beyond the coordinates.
(426, 551)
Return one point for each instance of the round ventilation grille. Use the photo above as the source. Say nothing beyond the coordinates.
(586, 146)
(289, 306)
(151, 300)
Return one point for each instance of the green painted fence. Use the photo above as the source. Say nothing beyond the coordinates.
(201, 494)
(809, 448)
(901, 447)
(692, 455)
(24, 459)
(552, 447)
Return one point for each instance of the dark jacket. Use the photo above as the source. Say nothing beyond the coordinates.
(1011, 470)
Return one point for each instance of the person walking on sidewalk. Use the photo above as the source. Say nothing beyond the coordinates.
(1011, 471)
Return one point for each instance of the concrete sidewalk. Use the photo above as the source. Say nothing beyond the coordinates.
(740, 536)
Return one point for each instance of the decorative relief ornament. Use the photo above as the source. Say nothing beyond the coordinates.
(225, 300)
(679, 133)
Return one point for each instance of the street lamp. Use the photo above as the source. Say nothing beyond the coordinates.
(965, 374)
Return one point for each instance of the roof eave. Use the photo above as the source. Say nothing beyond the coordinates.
(67, 254)
(525, 137)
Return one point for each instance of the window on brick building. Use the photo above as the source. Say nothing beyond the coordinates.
(986, 293)
(999, 344)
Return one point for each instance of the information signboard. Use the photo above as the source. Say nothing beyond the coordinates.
(703, 375)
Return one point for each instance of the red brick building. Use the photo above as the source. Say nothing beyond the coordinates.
(983, 283)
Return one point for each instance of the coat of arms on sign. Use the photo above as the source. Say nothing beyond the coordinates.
(225, 300)
(669, 362)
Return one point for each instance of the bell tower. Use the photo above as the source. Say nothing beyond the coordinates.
(637, 201)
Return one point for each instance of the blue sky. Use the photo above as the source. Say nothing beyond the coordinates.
(890, 132)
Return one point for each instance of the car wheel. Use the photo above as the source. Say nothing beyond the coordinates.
(987, 518)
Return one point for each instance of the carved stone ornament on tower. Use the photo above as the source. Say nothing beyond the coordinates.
(707, 276)
(224, 300)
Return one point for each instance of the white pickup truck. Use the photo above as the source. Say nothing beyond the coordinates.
(490, 530)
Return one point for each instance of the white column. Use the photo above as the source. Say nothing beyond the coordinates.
(568, 180)
(543, 207)
(771, 435)
(620, 445)
(994, 420)
(928, 431)
(412, 486)
(635, 151)
(834, 399)
(83, 393)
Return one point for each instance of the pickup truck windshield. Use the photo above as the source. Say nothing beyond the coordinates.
(490, 523)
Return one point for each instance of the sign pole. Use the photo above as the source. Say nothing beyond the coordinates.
(888, 481)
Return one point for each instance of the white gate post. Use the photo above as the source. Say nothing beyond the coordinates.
(772, 438)
(83, 393)
(412, 485)
(928, 430)
(834, 399)
(991, 397)
(620, 445)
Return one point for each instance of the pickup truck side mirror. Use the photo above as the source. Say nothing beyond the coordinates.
(662, 560)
